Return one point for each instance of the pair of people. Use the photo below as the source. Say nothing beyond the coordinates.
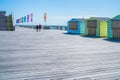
(38, 27)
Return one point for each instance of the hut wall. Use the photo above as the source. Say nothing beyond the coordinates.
(110, 31)
(10, 23)
(86, 29)
(3, 22)
(98, 28)
(82, 28)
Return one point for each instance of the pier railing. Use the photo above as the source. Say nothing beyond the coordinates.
(53, 27)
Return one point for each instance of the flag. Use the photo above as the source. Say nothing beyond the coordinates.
(24, 18)
(31, 17)
(27, 18)
(45, 17)
(17, 20)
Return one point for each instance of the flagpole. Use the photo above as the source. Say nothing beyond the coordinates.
(32, 19)
(45, 17)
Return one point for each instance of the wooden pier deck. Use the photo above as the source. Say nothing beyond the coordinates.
(52, 55)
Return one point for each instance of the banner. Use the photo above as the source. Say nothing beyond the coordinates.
(20, 20)
(45, 17)
(24, 19)
(31, 17)
(17, 21)
(27, 18)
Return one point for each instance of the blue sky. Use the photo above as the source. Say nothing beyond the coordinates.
(60, 11)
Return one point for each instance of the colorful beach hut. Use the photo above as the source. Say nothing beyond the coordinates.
(114, 27)
(77, 26)
(97, 26)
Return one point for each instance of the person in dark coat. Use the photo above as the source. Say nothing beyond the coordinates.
(37, 28)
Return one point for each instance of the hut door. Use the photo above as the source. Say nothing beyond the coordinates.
(116, 28)
(92, 31)
(116, 33)
(92, 24)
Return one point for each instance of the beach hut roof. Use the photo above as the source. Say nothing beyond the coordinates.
(99, 18)
(78, 19)
(116, 17)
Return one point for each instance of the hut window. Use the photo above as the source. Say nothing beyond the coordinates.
(91, 23)
(73, 26)
(116, 23)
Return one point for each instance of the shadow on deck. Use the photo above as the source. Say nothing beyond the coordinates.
(113, 40)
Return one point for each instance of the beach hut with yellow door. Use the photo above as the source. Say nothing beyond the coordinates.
(97, 26)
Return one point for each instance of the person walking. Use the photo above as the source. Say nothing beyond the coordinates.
(40, 26)
(37, 28)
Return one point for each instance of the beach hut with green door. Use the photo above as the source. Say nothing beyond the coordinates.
(114, 27)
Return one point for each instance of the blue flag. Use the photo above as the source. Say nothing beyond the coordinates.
(24, 18)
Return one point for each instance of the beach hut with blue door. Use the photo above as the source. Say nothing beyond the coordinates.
(76, 26)
(114, 27)
(97, 26)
